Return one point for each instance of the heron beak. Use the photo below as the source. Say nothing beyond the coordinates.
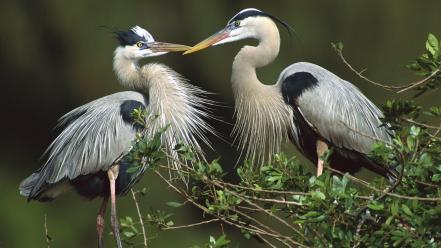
(224, 33)
(167, 47)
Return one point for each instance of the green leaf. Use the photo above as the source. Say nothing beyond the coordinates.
(410, 142)
(436, 178)
(133, 169)
(318, 195)
(338, 46)
(406, 210)
(432, 44)
(415, 131)
(221, 242)
(128, 234)
(374, 205)
(436, 111)
(426, 160)
(394, 208)
(389, 220)
(311, 214)
(398, 242)
(174, 204)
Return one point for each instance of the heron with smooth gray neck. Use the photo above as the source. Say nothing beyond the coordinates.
(308, 104)
(89, 154)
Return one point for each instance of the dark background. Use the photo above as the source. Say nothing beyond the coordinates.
(54, 57)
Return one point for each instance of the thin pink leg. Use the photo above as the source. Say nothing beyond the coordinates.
(100, 221)
(319, 167)
(322, 147)
(113, 174)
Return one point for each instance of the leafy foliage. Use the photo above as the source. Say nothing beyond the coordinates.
(145, 150)
(428, 64)
(221, 242)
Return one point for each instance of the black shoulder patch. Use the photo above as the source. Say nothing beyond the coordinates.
(294, 85)
(248, 13)
(127, 38)
(126, 110)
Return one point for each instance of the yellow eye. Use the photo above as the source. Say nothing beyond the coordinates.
(139, 44)
(237, 24)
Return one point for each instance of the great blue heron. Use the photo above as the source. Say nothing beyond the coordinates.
(97, 134)
(310, 105)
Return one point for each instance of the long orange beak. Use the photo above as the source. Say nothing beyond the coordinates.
(167, 47)
(209, 41)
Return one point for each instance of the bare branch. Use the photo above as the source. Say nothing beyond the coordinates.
(415, 84)
(46, 232)
(400, 88)
(283, 201)
(190, 225)
(420, 124)
(144, 234)
(245, 226)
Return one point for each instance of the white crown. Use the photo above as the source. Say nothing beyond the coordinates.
(143, 33)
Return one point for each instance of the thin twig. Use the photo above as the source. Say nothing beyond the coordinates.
(400, 88)
(285, 202)
(396, 183)
(428, 184)
(265, 211)
(141, 221)
(365, 217)
(245, 226)
(46, 232)
(366, 184)
(266, 241)
(420, 124)
(264, 190)
(190, 225)
(376, 139)
(250, 218)
(415, 84)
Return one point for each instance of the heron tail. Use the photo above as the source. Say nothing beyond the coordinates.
(28, 184)
(388, 172)
(35, 188)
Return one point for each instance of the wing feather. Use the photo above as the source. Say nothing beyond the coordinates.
(333, 107)
(94, 136)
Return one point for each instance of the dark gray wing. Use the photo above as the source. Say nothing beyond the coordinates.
(333, 107)
(95, 135)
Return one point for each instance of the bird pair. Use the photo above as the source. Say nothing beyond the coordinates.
(308, 105)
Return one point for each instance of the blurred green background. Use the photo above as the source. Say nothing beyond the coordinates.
(55, 57)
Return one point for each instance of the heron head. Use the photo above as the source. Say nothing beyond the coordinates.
(247, 23)
(138, 43)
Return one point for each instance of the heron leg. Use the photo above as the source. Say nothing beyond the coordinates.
(100, 221)
(322, 147)
(112, 173)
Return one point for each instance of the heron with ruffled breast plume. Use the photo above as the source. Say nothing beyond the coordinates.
(89, 153)
(308, 104)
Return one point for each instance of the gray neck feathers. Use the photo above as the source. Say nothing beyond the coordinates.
(177, 104)
(263, 120)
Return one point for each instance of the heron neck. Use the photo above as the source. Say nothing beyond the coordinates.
(262, 118)
(163, 86)
(250, 58)
(128, 73)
